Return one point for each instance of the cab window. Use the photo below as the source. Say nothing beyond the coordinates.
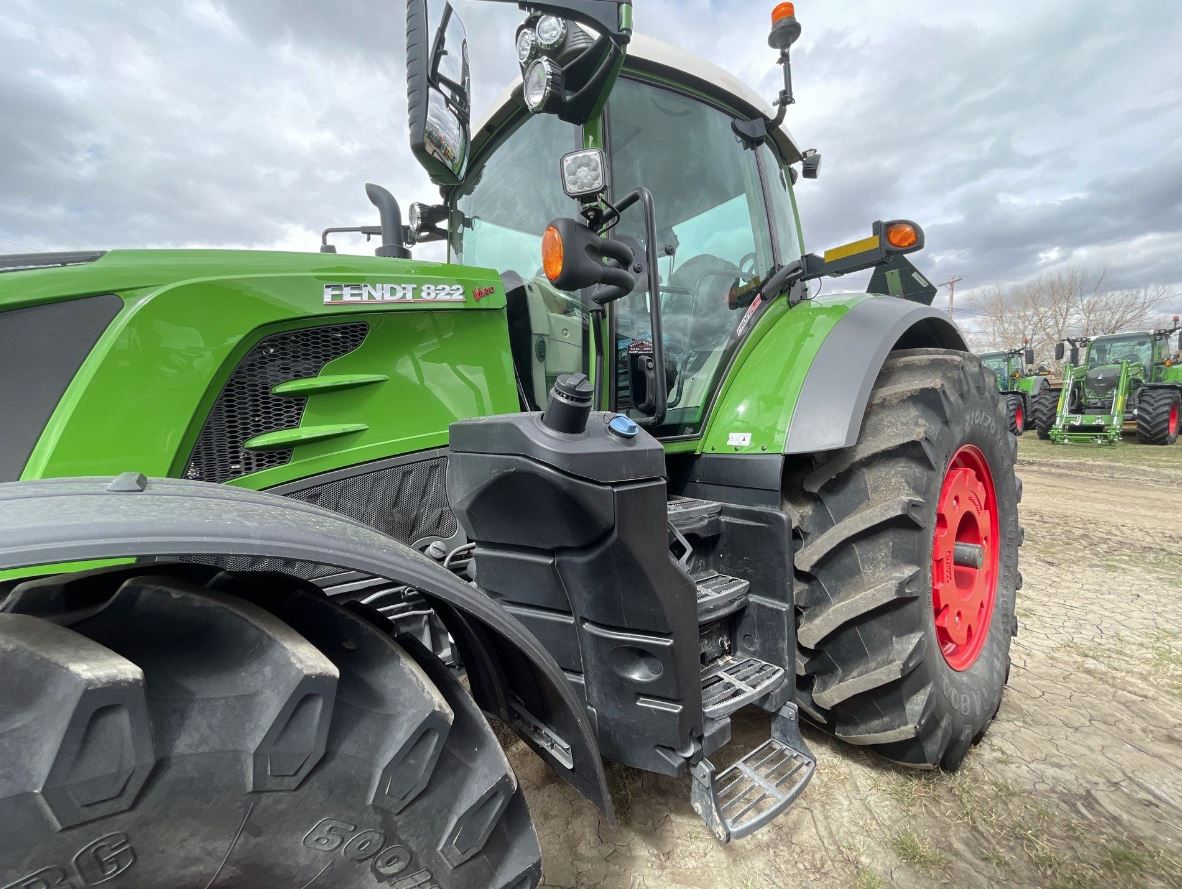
(499, 216)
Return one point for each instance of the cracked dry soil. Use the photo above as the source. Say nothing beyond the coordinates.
(1078, 783)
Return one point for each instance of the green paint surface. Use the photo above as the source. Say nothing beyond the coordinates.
(140, 398)
(760, 393)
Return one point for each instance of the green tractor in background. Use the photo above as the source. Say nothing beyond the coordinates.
(1028, 396)
(1125, 377)
(615, 458)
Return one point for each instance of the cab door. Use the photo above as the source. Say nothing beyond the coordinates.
(715, 238)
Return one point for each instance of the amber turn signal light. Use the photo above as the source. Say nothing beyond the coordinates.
(902, 235)
(553, 254)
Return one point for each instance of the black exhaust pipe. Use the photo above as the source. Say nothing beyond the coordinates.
(391, 215)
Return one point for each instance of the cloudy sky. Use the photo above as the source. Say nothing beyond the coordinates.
(1025, 136)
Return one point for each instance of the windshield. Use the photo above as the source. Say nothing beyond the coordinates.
(1136, 348)
(998, 362)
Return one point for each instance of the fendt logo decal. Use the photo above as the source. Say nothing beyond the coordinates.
(351, 294)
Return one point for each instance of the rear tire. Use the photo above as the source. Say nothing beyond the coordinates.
(1016, 414)
(1158, 416)
(874, 669)
(182, 727)
(1043, 408)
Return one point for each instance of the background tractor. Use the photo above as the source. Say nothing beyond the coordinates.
(1126, 377)
(1028, 395)
(614, 457)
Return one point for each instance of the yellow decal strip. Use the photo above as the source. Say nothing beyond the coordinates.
(863, 246)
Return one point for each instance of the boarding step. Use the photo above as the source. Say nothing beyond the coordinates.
(719, 595)
(749, 794)
(731, 683)
(686, 512)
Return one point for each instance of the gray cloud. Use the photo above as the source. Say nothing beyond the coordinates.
(1023, 136)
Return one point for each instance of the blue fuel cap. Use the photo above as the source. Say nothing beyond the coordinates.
(623, 426)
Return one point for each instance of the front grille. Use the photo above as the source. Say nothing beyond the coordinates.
(246, 408)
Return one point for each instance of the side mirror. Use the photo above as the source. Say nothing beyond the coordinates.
(1029, 357)
(438, 89)
(810, 164)
(1075, 356)
(1060, 351)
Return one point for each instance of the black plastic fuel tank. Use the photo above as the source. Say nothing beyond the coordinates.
(568, 513)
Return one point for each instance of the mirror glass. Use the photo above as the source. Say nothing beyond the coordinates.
(444, 134)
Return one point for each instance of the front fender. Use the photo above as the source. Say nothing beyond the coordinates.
(803, 385)
(75, 520)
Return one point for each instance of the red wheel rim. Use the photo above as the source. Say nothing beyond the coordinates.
(1019, 418)
(1173, 419)
(963, 592)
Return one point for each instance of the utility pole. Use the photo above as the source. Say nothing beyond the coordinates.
(951, 285)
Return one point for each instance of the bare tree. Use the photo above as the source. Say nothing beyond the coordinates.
(1076, 302)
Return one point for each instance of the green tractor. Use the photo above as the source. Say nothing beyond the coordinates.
(1123, 378)
(1028, 396)
(615, 460)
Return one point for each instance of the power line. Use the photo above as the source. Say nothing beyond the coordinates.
(951, 285)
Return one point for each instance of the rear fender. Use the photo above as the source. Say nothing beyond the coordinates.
(512, 676)
(803, 385)
(828, 414)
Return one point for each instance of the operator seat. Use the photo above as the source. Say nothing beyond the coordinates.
(700, 326)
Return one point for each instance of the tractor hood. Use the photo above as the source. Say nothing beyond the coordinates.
(114, 359)
(39, 278)
(1102, 381)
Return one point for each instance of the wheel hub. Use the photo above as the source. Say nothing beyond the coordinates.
(1173, 424)
(966, 552)
(1020, 417)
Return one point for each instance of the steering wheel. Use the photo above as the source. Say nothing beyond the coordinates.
(743, 269)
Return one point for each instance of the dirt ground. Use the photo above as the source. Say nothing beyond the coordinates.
(1078, 783)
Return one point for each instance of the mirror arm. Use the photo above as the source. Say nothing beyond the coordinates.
(591, 13)
(601, 59)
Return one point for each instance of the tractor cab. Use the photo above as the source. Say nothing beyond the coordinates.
(1107, 355)
(681, 175)
(1010, 368)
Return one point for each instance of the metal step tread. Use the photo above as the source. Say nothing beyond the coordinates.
(686, 511)
(749, 794)
(719, 594)
(731, 683)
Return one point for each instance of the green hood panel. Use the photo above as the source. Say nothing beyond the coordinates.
(140, 398)
(125, 270)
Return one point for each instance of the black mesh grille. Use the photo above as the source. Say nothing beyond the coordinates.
(407, 502)
(247, 408)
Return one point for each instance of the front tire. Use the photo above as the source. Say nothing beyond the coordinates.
(1043, 410)
(1016, 411)
(177, 726)
(1158, 416)
(881, 658)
